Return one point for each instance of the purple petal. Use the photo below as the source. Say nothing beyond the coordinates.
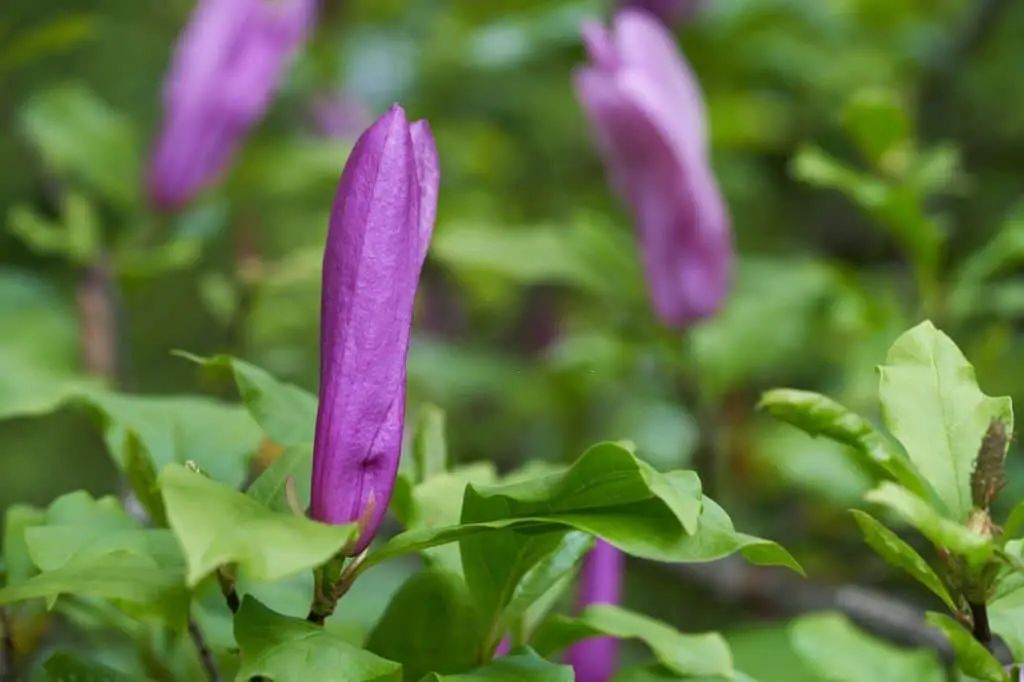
(600, 48)
(372, 261)
(596, 659)
(428, 172)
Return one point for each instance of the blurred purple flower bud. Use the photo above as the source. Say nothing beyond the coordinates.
(668, 11)
(380, 228)
(647, 114)
(224, 72)
(595, 659)
(340, 116)
(504, 646)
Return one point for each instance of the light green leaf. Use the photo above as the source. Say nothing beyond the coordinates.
(1006, 610)
(17, 564)
(292, 650)
(221, 438)
(121, 576)
(1014, 523)
(900, 554)
(295, 463)
(879, 125)
(139, 471)
(817, 414)
(430, 625)
(839, 652)
(429, 447)
(931, 403)
(285, 412)
(683, 654)
(520, 664)
(971, 657)
(77, 133)
(217, 525)
(943, 532)
(65, 667)
(53, 547)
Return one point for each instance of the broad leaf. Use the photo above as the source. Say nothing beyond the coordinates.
(221, 438)
(217, 525)
(285, 412)
(270, 489)
(53, 547)
(932, 404)
(429, 447)
(683, 654)
(819, 415)
(17, 564)
(430, 625)
(65, 667)
(520, 664)
(287, 649)
(943, 532)
(971, 657)
(120, 576)
(898, 553)
(837, 651)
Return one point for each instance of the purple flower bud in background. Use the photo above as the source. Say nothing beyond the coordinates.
(225, 69)
(595, 659)
(668, 11)
(647, 114)
(380, 229)
(339, 115)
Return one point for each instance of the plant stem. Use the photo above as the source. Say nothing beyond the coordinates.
(980, 629)
(205, 655)
(6, 648)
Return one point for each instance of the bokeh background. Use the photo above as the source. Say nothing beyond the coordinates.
(870, 152)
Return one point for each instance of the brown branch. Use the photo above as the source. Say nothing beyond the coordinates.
(205, 655)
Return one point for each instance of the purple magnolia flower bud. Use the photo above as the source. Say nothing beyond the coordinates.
(668, 11)
(380, 229)
(224, 72)
(595, 659)
(647, 114)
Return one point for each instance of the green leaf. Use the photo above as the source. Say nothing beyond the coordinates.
(287, 649)
(65, 667)
(17, 564)
(520, 664)
(219, 437)
(971, 657)
(80, 135)
(217, 525)
(295, 463)
(430, 625)
(819, 415)
(878, 124)
(429, 447)
(121, 576)
(898, 553)
(683, 654)
(1014, 523)
(940, 530)
(931, 403)
(39, 349)
(285, 412)
(1002, 252)
(138, 469)
(53, 547)
(58, 35)
(839, 652)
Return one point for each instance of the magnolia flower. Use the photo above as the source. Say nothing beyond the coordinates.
(595, 659)
(666, 10)
(225, 69)
(380, 229)
(647, 114)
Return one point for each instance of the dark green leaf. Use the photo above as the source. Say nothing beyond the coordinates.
(971, 657)
(932, 404)
(900, 554)
(217, 525)
(138, 469)
(287, 649)
(66, 667)
(519, 665)
(430, 625)
(837, 651)
(286, 413)
(819, 415)
(683, 654)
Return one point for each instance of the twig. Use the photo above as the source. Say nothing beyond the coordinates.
(227, 587)
(733, 580)
(979, 625)
(205, 655)
(6, 648)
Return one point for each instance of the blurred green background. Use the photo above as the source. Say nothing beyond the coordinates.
(869, 151)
